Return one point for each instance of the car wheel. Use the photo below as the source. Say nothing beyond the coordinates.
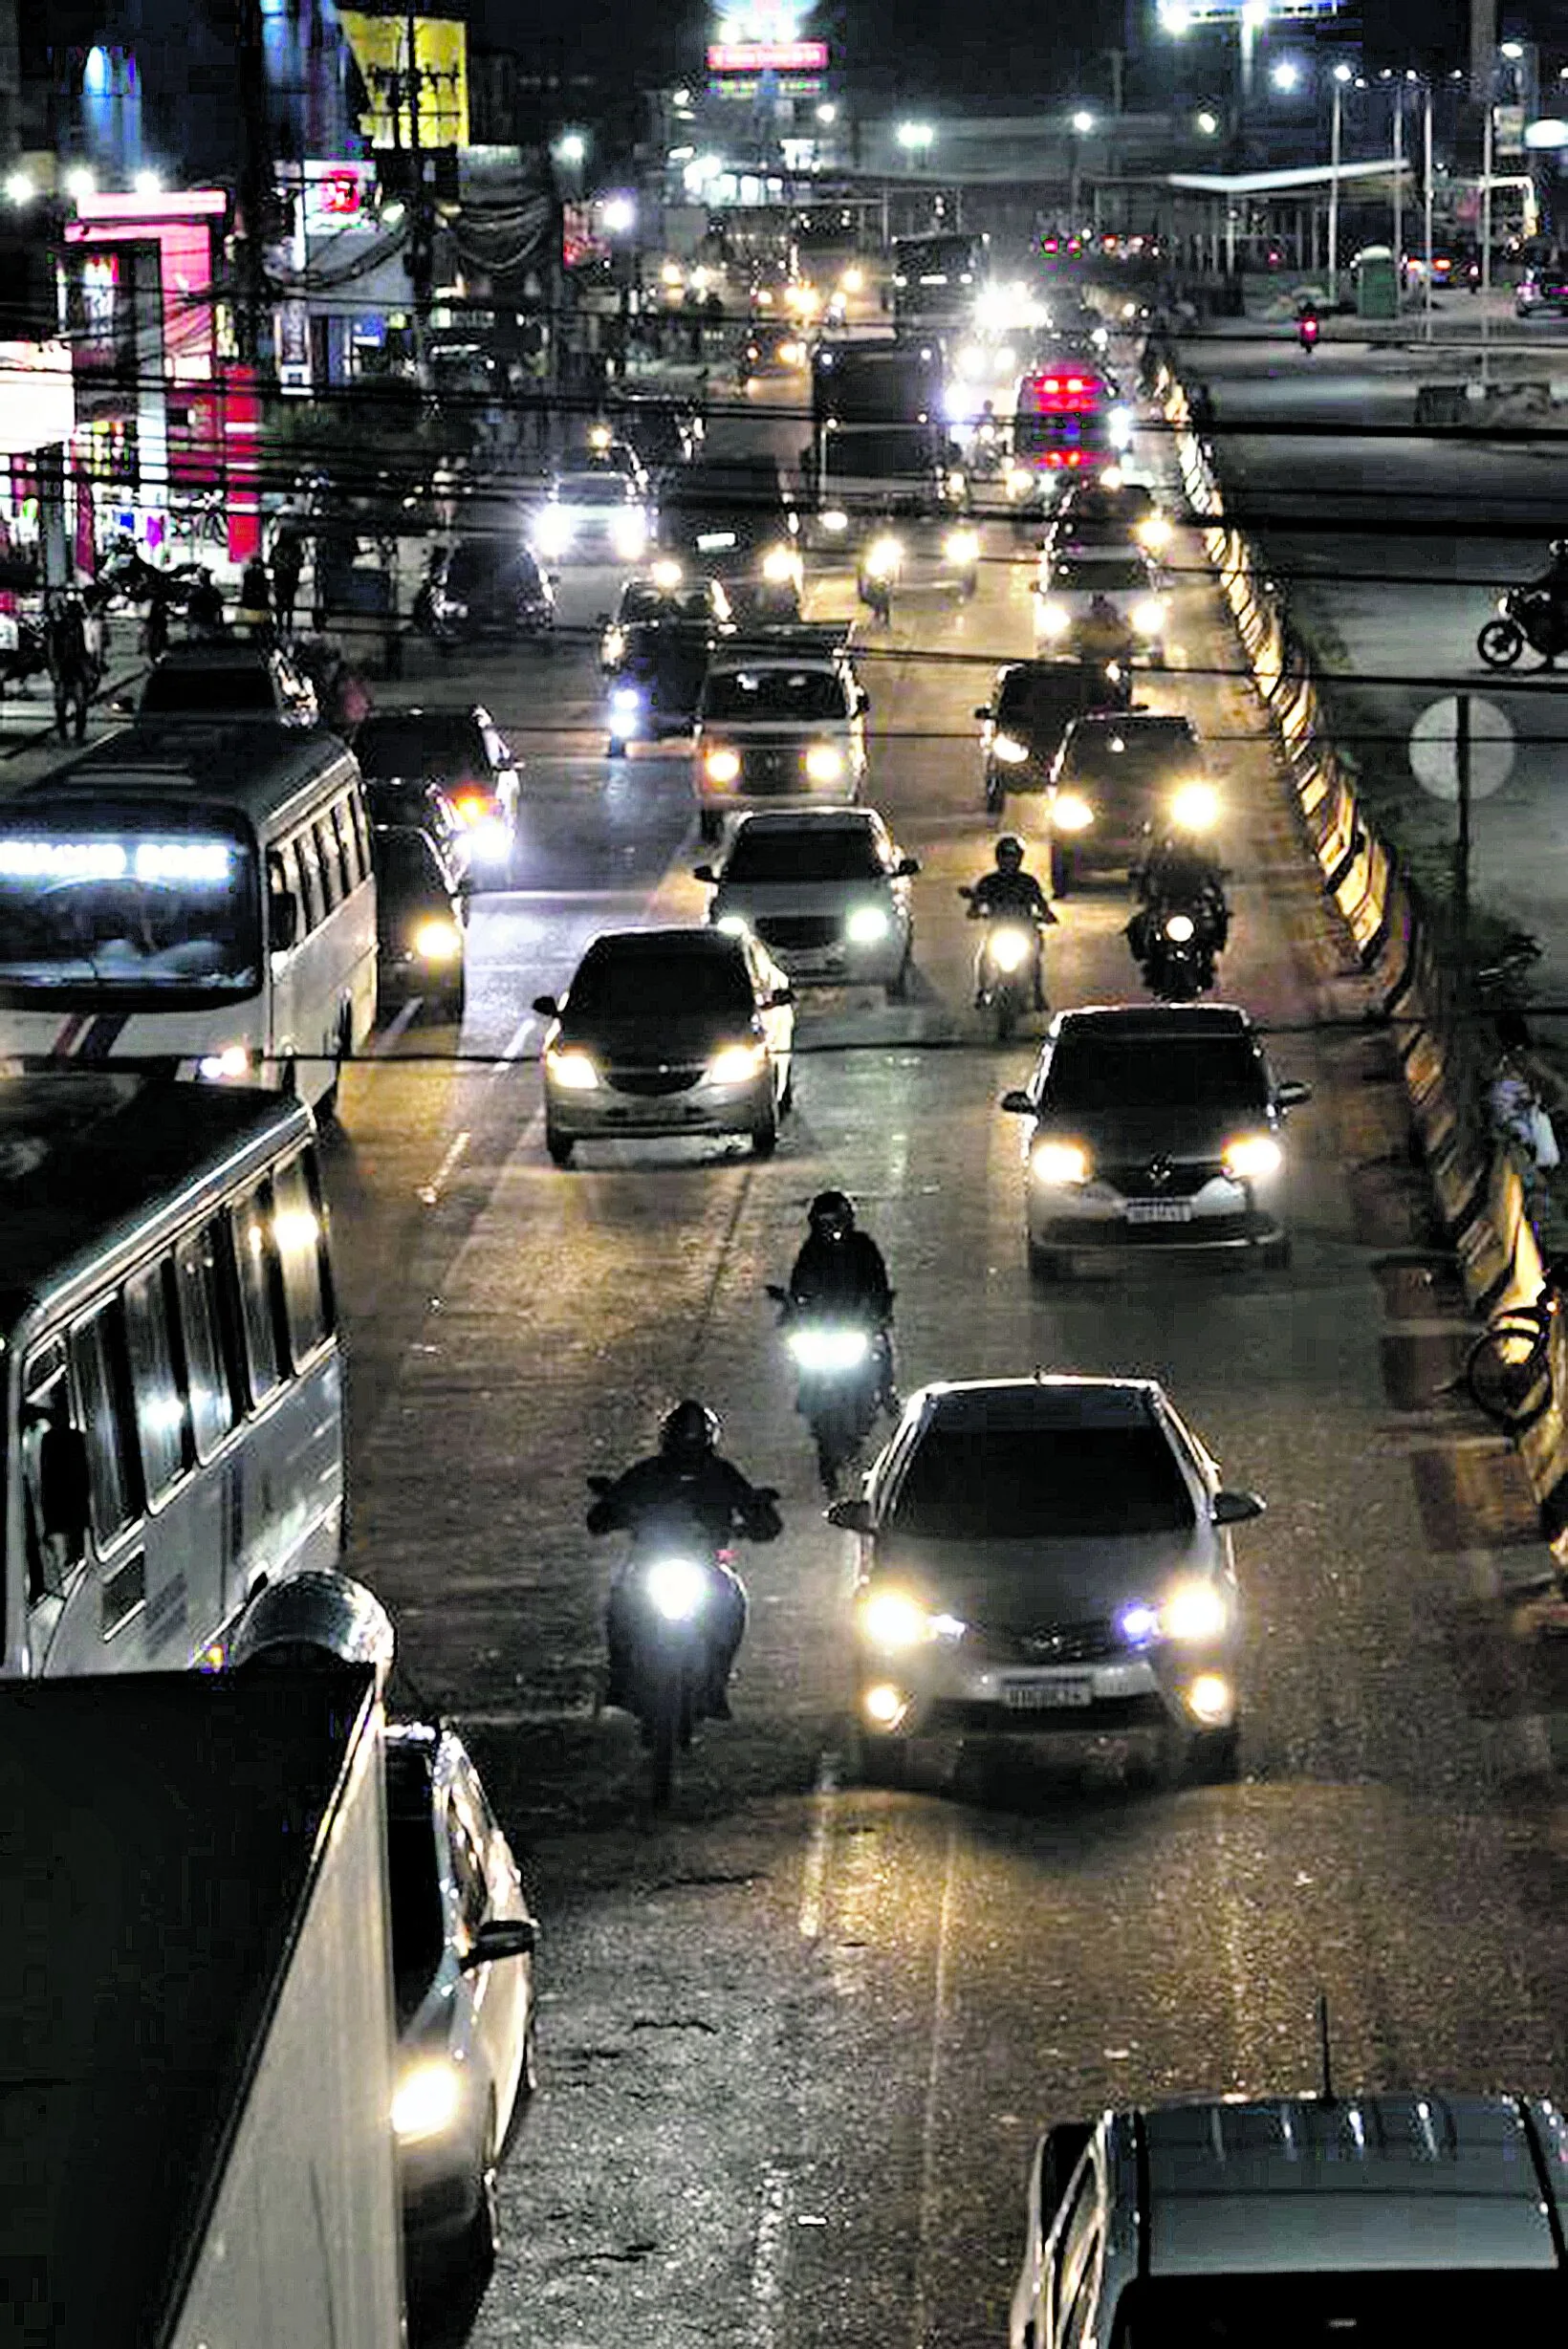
(709, 825)
(454, 1002)
(558, 1146)
(786, 1100)
(884, 1761)
(897, 989)
(1047, 1264)
(996, 796)
(1215, 1757)
(1061, 870)
(765, 1134)
(1274, 1255)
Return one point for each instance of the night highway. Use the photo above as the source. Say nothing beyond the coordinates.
(798, 2037)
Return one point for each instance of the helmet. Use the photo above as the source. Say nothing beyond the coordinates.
(690, 1434)
(832, 1215)
(1559, 549)
(1010, 854)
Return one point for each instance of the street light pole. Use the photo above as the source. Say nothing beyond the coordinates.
(1426, 183)
(1486, 238)
(1335, 133)
(1399, 194)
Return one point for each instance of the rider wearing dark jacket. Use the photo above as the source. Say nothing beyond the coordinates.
(1008, 889)
(841, 1269)
(688, 1482)
(1553, 583)
(1180, 874)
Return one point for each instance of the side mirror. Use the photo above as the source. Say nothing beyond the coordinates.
(498, 1938)
(284, 920)
(852, 1516)
(547, 1006)
(863, 700)
(1017, 1103)
(907, 868)
(602, 619)
(63, 1483)
(705, 872)
(983, 713)
(1291, 1092)
(1236, 1508)
(780, 996)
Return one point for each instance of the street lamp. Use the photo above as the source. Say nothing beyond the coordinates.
(1286, 76)
(1208, 121)
(828, 114)
(1344, 76)
(572, 147)
(20, 190)
(618, 215)
(1084, 121)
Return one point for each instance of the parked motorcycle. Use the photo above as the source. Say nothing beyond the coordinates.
(1010, 956)
(1524, 616)
(839, 1369)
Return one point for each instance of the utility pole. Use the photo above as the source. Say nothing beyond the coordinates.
(255, 182)
(421, 226)
(1462, 844)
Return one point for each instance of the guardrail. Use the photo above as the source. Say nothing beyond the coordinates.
(1477, 1186)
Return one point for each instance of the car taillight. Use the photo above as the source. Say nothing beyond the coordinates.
(473, 807)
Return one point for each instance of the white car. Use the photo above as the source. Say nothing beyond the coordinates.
(1047, 1555)
(1073, 581)
(462, 1939)
(781, 723)
(825, 889)
(597, 515)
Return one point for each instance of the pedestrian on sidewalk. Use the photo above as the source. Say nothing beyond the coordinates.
(1520, 1118)
(288, 564)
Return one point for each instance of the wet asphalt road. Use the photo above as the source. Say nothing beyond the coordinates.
(798, 2037)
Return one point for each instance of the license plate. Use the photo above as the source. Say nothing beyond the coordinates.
(1159, 1210)
(1044, 1696)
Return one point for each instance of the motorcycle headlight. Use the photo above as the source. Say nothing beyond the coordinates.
(1180, 928)
(836, 521)
(676, 1587)
(628, 699)
(572, 1070)
(1060, 1164)
(883, 558)
(1154, 532)
(823, 763)
(1069, 812)
(822, 1349)
(1008, 750)
(963, 547)
(1148, 614)
(437, 940)
(1010, 949)
(1195, 1612)
(778, 565)
(866, 924)
(427, 2101)
(1252, 1157)
(1055, 618)
(722, 766)
(894, 1621)
(1195, 807)
(737, 1064)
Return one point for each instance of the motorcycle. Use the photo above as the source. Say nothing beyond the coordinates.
(1175, 945)
(877, 575)
(1011, 954)
(1307, 332)
(839, 1369)
(1524, 615)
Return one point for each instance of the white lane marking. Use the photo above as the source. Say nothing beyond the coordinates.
(399, 1028)
(813, 1874)
(768, 2259)
(929, 2159)
(513, 1046)
(430, 1193)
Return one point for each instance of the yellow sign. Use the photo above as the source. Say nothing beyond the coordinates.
(437, 70)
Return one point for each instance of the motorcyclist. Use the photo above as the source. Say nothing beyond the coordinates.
(1103, 635)
(988, 439)
(1008, 889)
(1307, 324)
(1178, 872)
(840, 1268)
(687, 1478)
(1553, 584)
(204, 606)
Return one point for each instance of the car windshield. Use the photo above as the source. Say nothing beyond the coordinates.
(804, 852)
(653, 980)
(1381, 2309)
(604, 489)
(428, 746)
(1140, 756)
(480, 562)
(1044, 694)
(793, 696)
(116, 908)
(1099, 574)
(642, 600)
(178, 690)
(418, 1928)
(1096, 1068)
(407, 869)
(1023, 1484)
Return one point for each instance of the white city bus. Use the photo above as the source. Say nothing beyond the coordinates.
(173, 1433)
(196, 899)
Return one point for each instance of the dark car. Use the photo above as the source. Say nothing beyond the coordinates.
(735, 520)
(396, 805)
(1032, 705)
(468, 760)
(1121, 780)
(655, 653)
(772, 347)
(422, 915)
(228, 678)
(1109, 511)
(481, 588)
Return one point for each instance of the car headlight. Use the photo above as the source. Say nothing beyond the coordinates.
(1009, 749)
(791, 354)
(1055, 618)
(474, 809)
(894, 1621)
(1195, 1612)
(1120, 423)
(883, 557)
(1154, 532)
(1148, 614)
(962, 547)
(629, 534)
(437, 940)
(733, 925)
(676, 1588)
(823, 763)
(866, 924)
(626, 698)
(1252, 1157)
(722, 766)
(1195, 807)
(836, 521)
(1060, 1164)
(1019, 481)
(667, 576)
(227, 1066)
(427, 2101)
(1010, 949)
(552, 531)
(1178, 928)
(778, 565)
(737, 1064)
(818, 1348)
(614, 646)
(572, 1070)
(1070, 812)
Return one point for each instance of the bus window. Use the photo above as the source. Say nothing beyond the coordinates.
(201, 1328)
(159, 1405)
(330, 855)
(348, 845)
(51, 1555)
(361, 827)
(255, 1264)
(283, 888)
(96, 1347)
(309, 876)
(297, 1221)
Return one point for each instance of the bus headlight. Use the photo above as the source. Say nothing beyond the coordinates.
(722, 766)
(1148, 614)
(1195, 807)
(823, 763)
(1055, 618)
(1062, 1165)
(437, 940)
(1251, 1157)
(1071, 814)
(573, 1071)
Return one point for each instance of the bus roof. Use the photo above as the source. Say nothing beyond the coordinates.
(89, 1157)
(256, 769)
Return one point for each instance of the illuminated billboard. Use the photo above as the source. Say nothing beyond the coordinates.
(440, 60)
(1176, 16)
(766, 56)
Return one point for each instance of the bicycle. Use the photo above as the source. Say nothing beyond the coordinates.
(1508, 1370)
